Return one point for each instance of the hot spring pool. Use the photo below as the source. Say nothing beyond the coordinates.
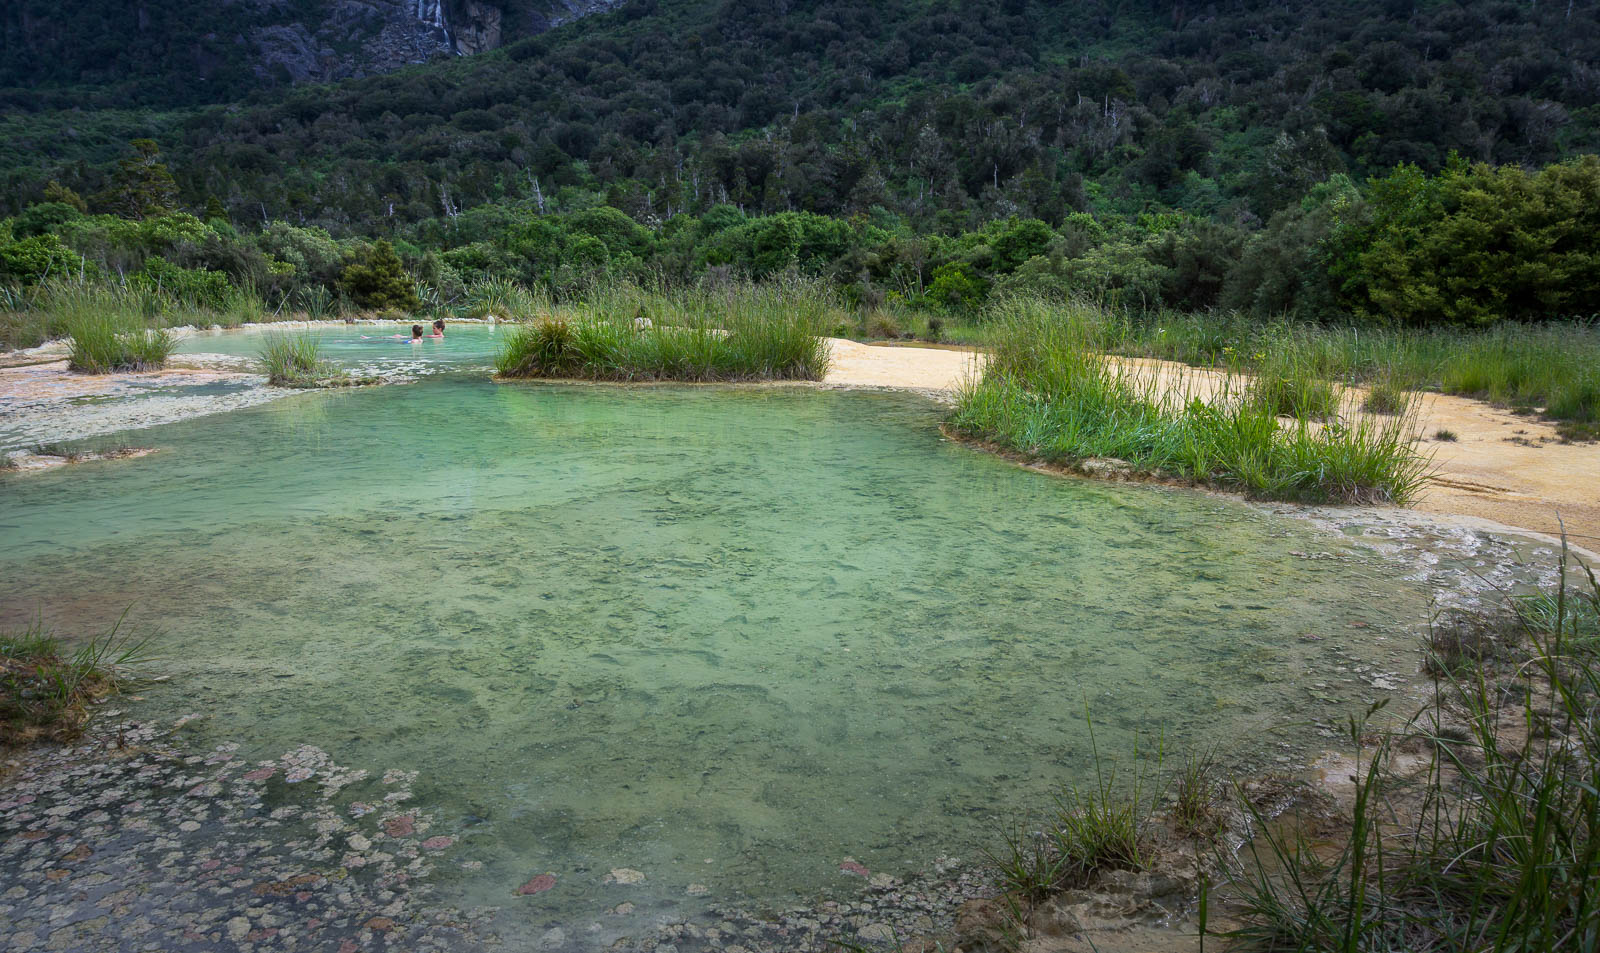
(727, 637)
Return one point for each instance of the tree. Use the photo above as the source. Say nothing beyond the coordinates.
(1474, 244)
(56, 192)
(142, 186)
(376, 278)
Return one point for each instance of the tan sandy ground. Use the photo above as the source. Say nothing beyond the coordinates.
(1503, 467)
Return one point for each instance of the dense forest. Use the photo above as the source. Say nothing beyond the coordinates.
(1161, 154)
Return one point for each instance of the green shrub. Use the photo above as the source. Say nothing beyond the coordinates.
(194, 288)
(31, 260)
(1474, 245)
(376, 278)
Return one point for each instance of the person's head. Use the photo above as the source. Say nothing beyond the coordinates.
(438, 325)
(416, 330)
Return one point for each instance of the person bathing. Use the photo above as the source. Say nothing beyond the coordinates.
(438, 328)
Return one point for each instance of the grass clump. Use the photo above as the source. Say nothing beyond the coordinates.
(1386, 396)
(1553, 366)
(108, 341)
(45, 688)
(295, 360)
(292, 360)
(1285, 384)
(1496, 846)
(1095, 828)
(1048, 392)
(738, 333)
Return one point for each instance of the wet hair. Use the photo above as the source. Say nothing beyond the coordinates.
(438, 324)
(416, 330)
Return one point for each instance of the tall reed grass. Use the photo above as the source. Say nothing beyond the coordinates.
(47, 311)
(1553, 367)
(624, 332)
(1048, 391)
(1497, 846)
(106, 341)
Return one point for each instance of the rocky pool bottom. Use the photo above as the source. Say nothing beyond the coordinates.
(603, 661)
(124, 841)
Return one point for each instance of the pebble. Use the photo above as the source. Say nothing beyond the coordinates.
(185, 866)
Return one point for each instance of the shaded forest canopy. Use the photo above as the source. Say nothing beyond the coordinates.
(947, 113)
(1153, 154)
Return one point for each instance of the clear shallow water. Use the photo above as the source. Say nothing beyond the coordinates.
(366, 345)
(726, 637)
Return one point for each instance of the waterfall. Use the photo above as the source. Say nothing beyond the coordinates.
(431, 12)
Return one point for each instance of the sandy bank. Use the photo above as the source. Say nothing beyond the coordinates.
(852, 364)
(1502, 467)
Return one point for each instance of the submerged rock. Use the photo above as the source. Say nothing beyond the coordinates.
(538, 884)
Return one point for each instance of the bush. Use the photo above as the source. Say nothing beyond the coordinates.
(33, 259)
(192, 287)
(375, 278)
(1474, 245)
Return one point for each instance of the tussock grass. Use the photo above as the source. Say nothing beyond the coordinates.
(107, 341)
(1553, 366)
(1049, 392)
(506, 300)
(736, 333)
(1095, 828)
(293, 360)
(1386, 396)
(48, 311)
(45, 688)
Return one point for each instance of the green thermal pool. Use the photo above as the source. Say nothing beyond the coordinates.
(727, 637)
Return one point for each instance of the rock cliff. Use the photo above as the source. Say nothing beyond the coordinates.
(363, 37)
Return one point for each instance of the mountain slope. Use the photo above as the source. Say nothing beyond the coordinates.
(193, 51)
(945, 112)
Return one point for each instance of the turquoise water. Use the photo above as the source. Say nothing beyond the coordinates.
(374, 345)
(720, 636)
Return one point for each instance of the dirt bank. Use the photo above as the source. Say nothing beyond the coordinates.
(1502, 467)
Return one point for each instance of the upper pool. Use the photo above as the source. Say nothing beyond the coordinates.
(720, 636)
(375, 346)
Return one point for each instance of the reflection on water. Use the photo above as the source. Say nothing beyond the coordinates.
(721, 637)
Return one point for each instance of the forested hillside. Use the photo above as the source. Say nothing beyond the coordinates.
(1392, 161)
(947, 112)
(113, 53)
